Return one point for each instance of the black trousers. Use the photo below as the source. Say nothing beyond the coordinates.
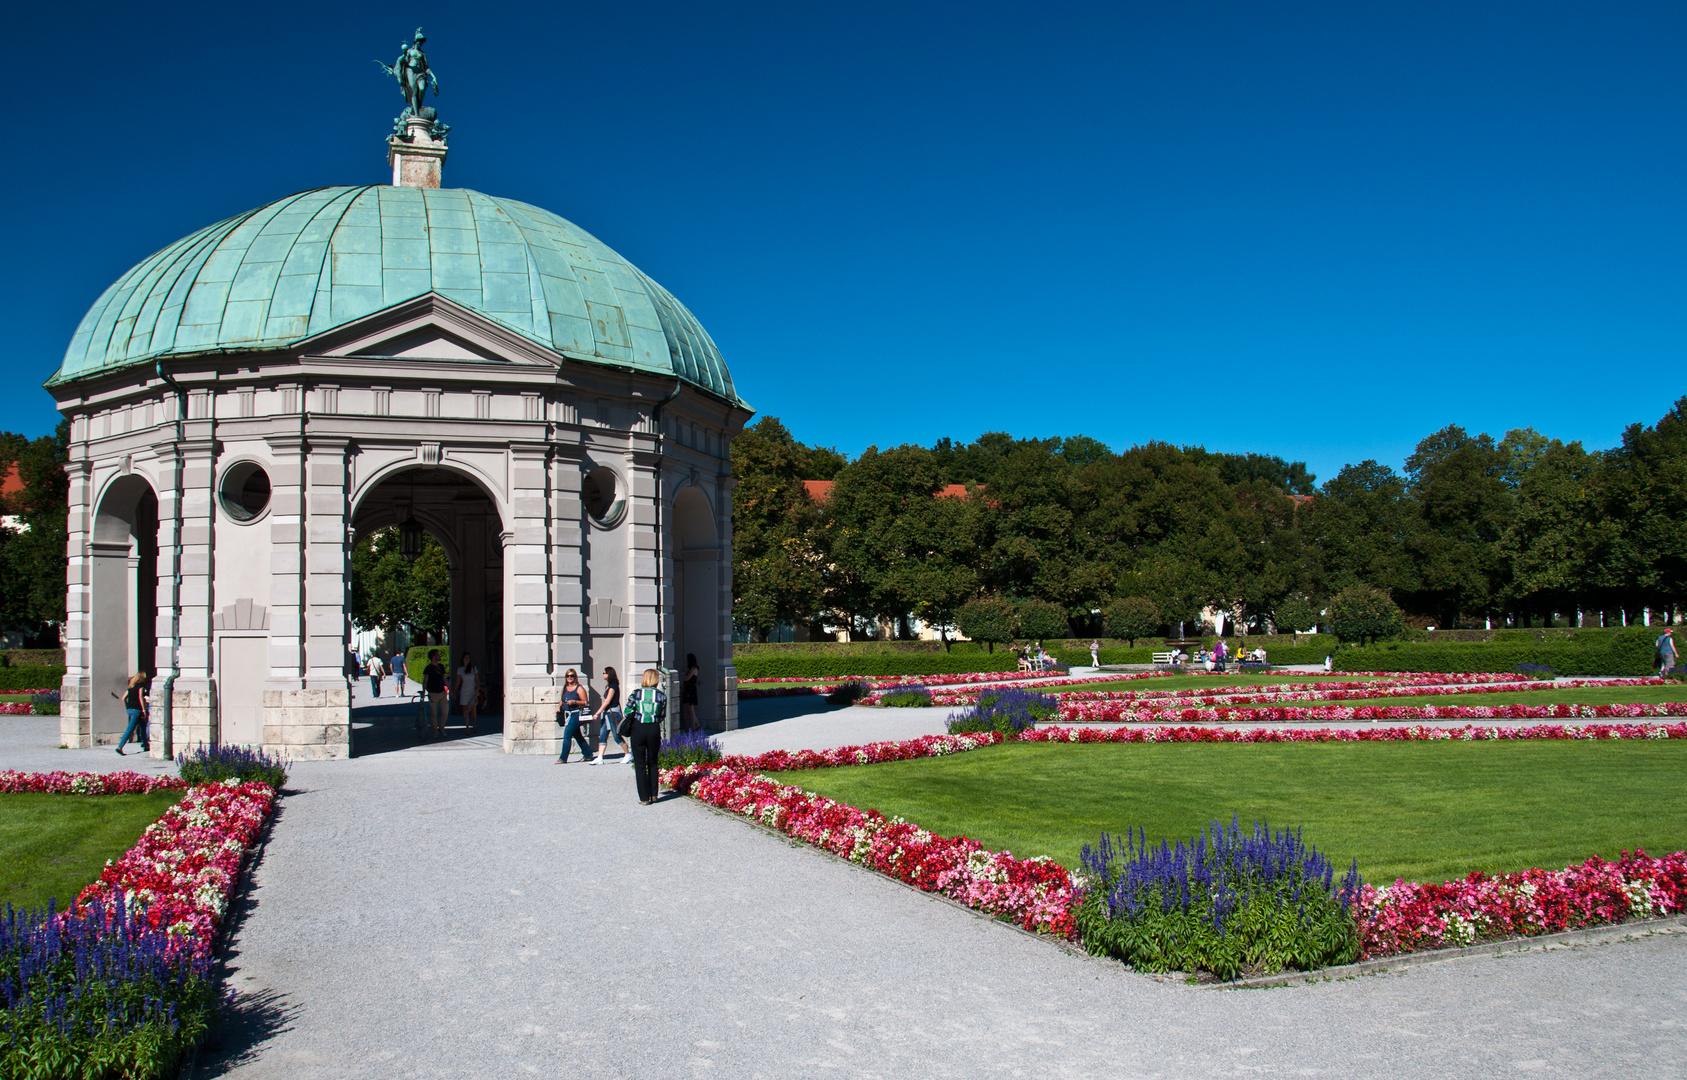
(647, 744)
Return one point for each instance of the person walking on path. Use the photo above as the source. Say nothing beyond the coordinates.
(376, 671)
(688, 696)
(354, 664)
(468, 691)
(647, 707)
(568, 714)
(608, 715)
(1095, 654)
(398, 664)
(140, 718)
(439, 699)
(1666, 652)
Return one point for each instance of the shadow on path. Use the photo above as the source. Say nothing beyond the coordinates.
(393, 725)
(771, 710)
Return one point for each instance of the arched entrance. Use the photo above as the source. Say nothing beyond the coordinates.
(457, 512)
(123, 592)
(696, 627)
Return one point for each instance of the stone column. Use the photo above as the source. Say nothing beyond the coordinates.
(567, 569)
(651, 575)
(727, 701)
(194, 698)
(313, 721)
(530, 694)
(75, 709)
(286, 681)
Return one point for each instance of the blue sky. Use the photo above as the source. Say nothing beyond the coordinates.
(1319, 230)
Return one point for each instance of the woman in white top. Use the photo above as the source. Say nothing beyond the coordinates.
(468, 690)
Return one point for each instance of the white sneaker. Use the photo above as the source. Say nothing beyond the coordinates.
(598, 760)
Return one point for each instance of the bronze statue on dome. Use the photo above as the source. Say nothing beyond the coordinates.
(413, 75)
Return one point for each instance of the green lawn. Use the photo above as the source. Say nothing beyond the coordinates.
(1215, 683)
(1422, 811)
(1620, 695)
(54, 845)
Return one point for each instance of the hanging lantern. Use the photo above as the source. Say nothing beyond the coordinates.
(410, 536)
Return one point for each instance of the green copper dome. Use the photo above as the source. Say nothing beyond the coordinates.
(320, 259)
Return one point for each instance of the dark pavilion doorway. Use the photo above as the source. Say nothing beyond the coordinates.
(455, 511)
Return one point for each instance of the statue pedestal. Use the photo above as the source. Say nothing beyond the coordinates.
(417, 158)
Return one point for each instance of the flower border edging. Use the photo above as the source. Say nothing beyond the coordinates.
(1592, 935)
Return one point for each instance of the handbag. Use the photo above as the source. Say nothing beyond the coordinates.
(624, 729)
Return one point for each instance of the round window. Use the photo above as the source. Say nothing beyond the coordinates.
(600, 490)
(245, 491)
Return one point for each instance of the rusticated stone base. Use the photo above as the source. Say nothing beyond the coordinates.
(530, 725)
(76, 716)
(307, 725)
(193, 717)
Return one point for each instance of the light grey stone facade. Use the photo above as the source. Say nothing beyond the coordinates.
(585, 508)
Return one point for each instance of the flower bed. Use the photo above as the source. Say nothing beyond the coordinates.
(1040, 895)
(63, 783)
(1382, 688)
(1113, 712)
(180, 874)
(1408, 917)
(121, 984)
(1033, 893)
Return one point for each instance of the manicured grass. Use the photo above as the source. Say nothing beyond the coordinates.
(1215, 683)
(1426, 811)
(1619, 695)
(54, 845)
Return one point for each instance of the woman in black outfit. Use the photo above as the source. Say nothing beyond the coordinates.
(688, 695)
(647, 707)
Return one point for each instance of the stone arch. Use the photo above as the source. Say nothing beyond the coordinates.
(122, 597)
(461, 511)
(359, 494)
(696, 627)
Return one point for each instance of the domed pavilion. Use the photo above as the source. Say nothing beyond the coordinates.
(249, 402)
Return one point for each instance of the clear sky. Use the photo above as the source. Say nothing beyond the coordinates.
(1319, 230)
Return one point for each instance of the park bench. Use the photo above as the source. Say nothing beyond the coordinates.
(1164, 659)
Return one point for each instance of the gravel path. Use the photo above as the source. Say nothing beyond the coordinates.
(451, 911)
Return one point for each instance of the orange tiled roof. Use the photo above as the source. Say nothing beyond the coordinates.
(819, 490)
(11, 483)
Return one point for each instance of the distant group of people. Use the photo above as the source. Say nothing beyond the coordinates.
(1034, 658)
(440, 688)
(377, 667)
(634, 725)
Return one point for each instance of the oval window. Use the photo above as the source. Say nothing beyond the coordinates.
(600, 490)
(244, 491)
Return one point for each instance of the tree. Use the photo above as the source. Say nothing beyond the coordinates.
(32, 557)
(989, 619)
(1132, 617)
(1294, 614)
(1464, 506)
(1361, 613)
(777, 566)
(389, 592)
(1040, 620)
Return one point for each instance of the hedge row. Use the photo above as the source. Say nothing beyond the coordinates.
(31, 658)
(853, 648)
(30, 678)
(822, 666)
(1626, 652)
(1312, 650)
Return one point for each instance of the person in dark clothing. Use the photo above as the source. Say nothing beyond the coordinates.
(439, 699)
(688, 695)
(608, 716)
(647, 707)
(574, 703)
(134, 703)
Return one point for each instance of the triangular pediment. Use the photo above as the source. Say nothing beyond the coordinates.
(429, 343)
(429, 329)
